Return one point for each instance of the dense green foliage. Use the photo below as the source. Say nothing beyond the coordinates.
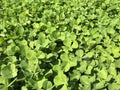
(59, 44)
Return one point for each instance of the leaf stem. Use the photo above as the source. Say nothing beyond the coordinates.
(12, 82)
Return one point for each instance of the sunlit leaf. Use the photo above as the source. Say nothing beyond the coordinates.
(60, 79)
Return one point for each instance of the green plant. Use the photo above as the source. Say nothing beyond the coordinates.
(59, 45)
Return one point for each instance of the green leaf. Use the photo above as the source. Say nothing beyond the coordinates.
(75, 75)
(66, 49)
(75, 44)
(60, 79)
(24, 64)
(45, 43)
(117, 63)
(58, 35)
(112, 70)
(30, 54)
(47, 85)
(79, 53)
(9, 71)
(89, 54)
(24, 88)
(36, 25)
(86, 87)
(1, 40)
(32, 64)
(41, 55)
(115, 51)
(57, 68)
(89, 69)
(62, 36)
(67, 42)
(14, 70)
(83, 66)
(64, 87)
(51, 29)
(114, 86)
(39, 84)
(107, 1)
(100, 85)
(49, 55)
(84, 80)
(12, 59)
(31, 44)
(22, 43)
(68, 62)
(117, 79)
(92, 79)
(41, 35)
(19, 30)
(2, 80)
(103, 73)
(11, 49)
(72, 36)
(64, 57)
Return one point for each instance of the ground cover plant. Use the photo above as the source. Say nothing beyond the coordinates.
(59, 44)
